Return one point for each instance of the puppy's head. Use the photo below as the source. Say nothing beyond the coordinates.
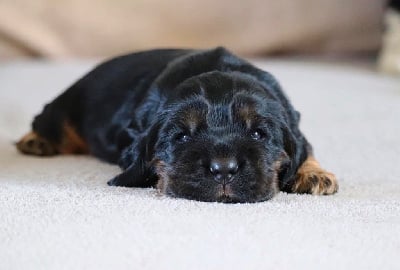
(223, 140)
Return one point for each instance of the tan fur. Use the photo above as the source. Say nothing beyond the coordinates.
(224, 190)
(33, 144)
(71, 143)
(312, 179)
(277, 167)
(163, 178)
(246, 115)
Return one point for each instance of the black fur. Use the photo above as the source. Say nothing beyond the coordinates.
(170, 113)
(394, 4)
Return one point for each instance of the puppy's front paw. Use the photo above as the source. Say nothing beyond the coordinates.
(125, 179)
(33, 144)
(113, 182)
(312, 179)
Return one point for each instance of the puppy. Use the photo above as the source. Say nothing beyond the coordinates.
(201, 125)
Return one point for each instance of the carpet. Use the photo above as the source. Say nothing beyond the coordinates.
(58, 213)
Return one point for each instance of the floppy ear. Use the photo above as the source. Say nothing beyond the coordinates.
(290, 145)
(289, 142)
(296, 148)
(135, 160)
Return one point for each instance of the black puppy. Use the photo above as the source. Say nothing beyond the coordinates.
(202, 125)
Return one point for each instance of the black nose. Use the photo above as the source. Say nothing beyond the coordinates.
(224, 168)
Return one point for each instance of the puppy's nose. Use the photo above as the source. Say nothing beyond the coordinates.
(224, 168)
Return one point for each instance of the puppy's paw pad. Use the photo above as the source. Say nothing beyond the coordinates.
(33, 144)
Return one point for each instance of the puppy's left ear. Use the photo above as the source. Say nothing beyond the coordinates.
(135, 161)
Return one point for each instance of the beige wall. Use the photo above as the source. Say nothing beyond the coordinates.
(91, 28)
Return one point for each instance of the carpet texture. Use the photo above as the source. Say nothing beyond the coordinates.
(58, 213)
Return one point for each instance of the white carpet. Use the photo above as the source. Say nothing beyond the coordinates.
(58, 213)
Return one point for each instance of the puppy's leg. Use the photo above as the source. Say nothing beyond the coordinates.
(34, 144)
(52, 133)
(134, 176)
(313, 179)
(40, 145)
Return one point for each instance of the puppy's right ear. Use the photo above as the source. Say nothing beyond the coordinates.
(135, 161)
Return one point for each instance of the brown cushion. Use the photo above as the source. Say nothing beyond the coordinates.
(102, 27)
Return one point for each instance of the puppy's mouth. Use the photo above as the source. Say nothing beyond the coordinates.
(226, 195)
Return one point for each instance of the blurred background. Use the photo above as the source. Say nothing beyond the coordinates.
(103, 28)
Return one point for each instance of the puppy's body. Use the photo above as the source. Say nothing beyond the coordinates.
(203, 125)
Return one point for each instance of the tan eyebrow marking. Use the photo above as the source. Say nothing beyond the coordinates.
(247, 115)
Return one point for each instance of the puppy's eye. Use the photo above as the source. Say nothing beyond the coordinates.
(183, 138)
(257, 135)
